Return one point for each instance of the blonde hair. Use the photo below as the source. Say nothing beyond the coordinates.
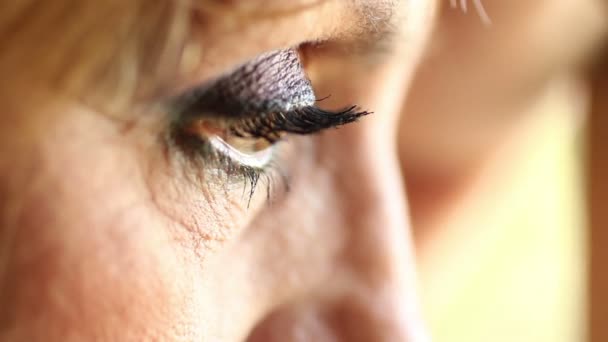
(112, 47)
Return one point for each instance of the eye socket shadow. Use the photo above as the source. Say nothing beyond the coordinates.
(270, 83)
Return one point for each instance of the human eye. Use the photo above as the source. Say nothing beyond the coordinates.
(236, 123)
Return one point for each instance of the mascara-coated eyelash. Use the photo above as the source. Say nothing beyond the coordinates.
(307, 120)
(235, 121)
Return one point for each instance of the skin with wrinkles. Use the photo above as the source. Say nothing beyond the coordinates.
(111, 233)
(108, 233)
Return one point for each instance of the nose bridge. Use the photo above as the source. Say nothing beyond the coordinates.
(377, 299)
(373, 205)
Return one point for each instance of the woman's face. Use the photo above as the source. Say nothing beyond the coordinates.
(160, 179)
(175, 214)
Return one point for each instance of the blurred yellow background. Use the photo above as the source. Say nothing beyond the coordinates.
(520, 273)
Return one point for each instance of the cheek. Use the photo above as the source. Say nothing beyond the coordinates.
(110, 232)
(85, 254)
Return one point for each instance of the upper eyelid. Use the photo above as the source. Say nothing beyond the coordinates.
(271, 82)
(263, 98)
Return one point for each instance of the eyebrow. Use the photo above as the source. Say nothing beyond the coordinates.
(375, 18)
(367, 28)
(270, 8)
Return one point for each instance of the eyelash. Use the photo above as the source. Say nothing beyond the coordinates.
(302, 121)
(268, 126)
